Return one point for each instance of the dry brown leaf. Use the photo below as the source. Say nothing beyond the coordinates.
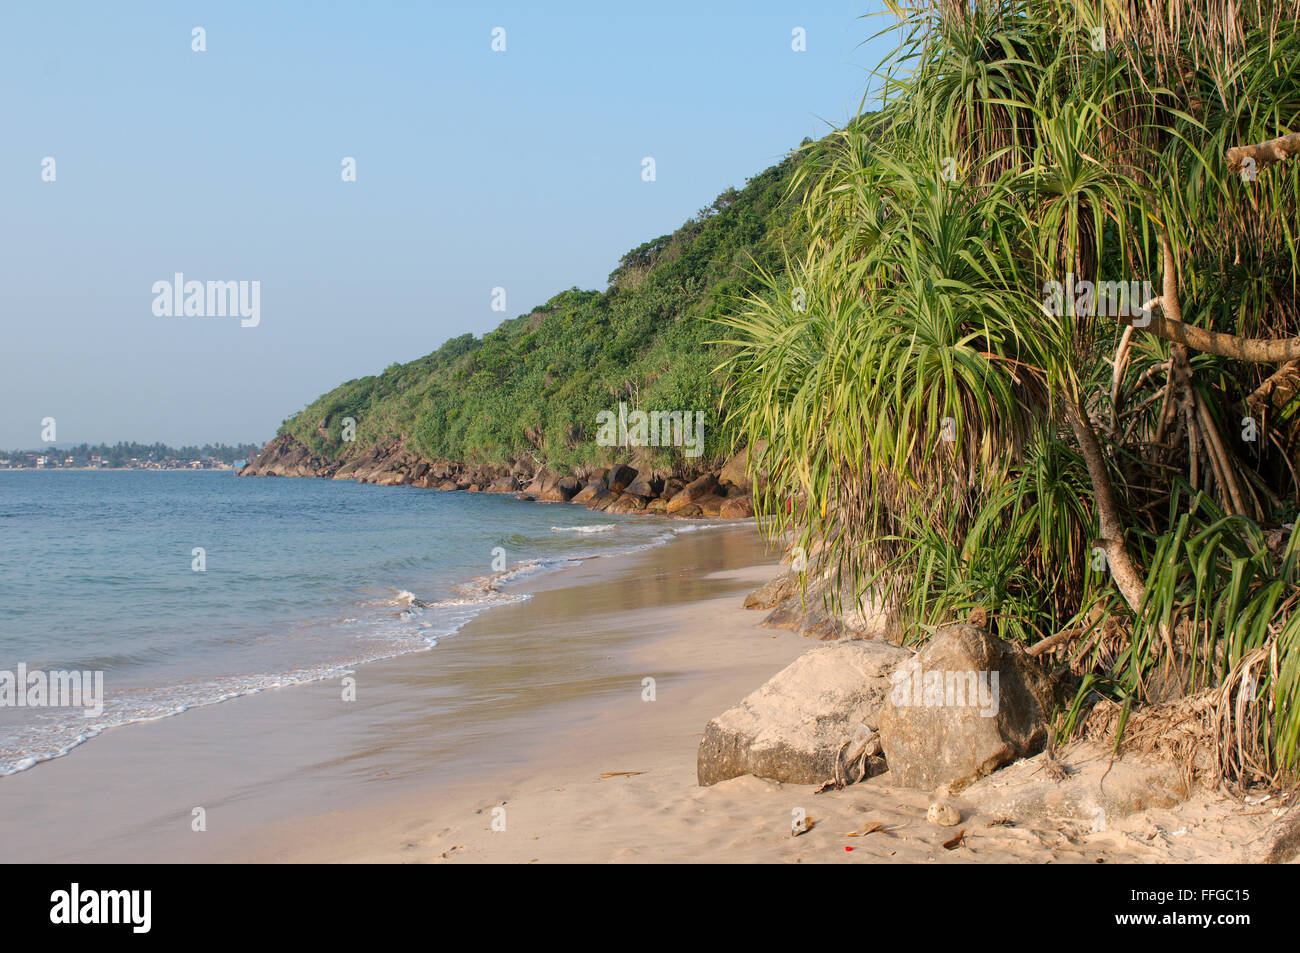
(866, 829)
(956, 841)
(808, 824)
(618, 774)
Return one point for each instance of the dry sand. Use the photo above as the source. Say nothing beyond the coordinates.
(649, 808)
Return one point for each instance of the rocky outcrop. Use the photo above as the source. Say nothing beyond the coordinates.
(285, 456)
(629, 487)
(965, 705)
(813, 721)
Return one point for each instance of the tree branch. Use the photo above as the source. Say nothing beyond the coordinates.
(1112, 531)
(1265, 153)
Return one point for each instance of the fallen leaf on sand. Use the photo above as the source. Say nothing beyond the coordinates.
(618, 774)
(956, 841)
(808, 824)
(866, 829)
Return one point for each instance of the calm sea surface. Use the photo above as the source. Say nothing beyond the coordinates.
(302, 580)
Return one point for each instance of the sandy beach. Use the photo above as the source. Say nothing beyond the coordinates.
(554, 754)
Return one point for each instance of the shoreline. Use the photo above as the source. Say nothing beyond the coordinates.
(550, 754)
(264, 759)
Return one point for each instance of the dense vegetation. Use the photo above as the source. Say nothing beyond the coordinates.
(534, 386)
(1114, 489)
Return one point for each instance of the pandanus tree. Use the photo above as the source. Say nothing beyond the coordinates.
(1042, 357)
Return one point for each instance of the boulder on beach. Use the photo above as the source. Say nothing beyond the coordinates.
(620, 477)
(693, 493)
(1073, 787)
(965, 705)
(814, 616)
(590, 492)
(560, 491)
(737, 507)
(735, 472)
(627, 503)
(646, 486)
(808, 722)
(774, 592)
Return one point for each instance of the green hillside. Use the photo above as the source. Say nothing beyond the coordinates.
(536, 383)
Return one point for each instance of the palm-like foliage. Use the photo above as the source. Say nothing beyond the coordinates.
(924, 420)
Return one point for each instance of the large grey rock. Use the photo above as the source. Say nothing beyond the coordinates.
(793, 728)
(1089, 787)
(965, 705)
(773, 593)
(814, 616)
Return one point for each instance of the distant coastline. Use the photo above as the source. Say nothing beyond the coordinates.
(130, 456)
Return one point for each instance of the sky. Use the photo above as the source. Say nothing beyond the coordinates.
(475, 169)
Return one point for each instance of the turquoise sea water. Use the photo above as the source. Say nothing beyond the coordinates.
(304, 579)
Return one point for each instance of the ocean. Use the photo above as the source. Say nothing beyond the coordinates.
(189, 588)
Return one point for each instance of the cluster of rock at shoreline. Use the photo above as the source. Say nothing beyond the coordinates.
(723, 492)
(967, 715)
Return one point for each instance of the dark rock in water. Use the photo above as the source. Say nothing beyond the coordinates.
(965, 705)
(711, 505)
(542, 481)
(602, 500)
(627, 503)
(689, 511)
(560, 491)
(658, 507)
(737, 507)
(590, 492)
(646, 486)
(505, 484)
(802, 725)
(773, 593)
(525, 498)
(693, 493)
(620, 476)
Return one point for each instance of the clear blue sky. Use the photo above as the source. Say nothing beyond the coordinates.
(475, 169)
